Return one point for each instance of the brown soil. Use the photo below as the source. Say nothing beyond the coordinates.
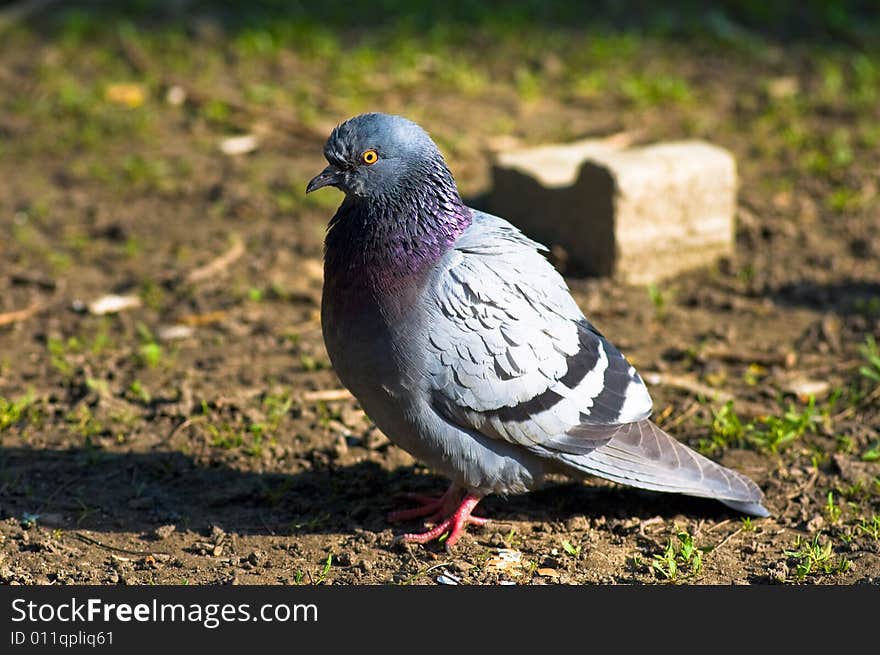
(150, 460)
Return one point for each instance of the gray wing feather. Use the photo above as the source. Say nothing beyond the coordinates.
(513, 356)
(642, 455)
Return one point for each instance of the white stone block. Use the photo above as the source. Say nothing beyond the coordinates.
(641, 213)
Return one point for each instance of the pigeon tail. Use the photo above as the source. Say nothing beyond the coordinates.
(752, 509)
(642, 455)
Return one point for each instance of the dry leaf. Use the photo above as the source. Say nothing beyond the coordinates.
(111, 304)
(507, 560)
(176, 95)
(126, 94)
(239, 145)
(173, 332)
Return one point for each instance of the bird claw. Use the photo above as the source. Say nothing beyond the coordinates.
(449, 530)
(435, 508)
(431, 506)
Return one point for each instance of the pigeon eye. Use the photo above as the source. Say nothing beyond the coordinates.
(370, 157)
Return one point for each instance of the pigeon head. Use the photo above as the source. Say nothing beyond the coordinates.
(378, 155)
(402, 209)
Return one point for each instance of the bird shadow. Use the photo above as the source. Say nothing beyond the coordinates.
(104, 491)
(842, 297)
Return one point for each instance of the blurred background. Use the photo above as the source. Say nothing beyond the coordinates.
(161, 361)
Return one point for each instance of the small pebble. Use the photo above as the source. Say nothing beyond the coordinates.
(447, 579)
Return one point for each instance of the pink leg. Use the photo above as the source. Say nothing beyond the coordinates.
(455, 524)
(434, 507)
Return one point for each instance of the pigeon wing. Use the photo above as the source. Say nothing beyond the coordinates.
(513, 356)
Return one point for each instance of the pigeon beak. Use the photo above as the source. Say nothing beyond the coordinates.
(330, 176)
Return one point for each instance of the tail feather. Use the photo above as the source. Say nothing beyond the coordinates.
(752, 509)
(642, 455)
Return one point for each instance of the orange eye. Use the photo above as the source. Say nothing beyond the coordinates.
(370, 157)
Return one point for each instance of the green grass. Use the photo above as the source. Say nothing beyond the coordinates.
(652, 90)
(310, 363)
(814, 558)
(277, 406)
(572, 550)
(769, 433)
(872, 454)
(844, 199)
(62, 353)
(225, 435)
(153, 174)
(868, 307)
(871, 527)
(83, 423)
(150, 353)
(683, 558)
(658, 300)
(17, 410)
(871, 354)
(832, 509)
(322, 576)
(728, 430)
(151, 294)
(241, 430)
(327, 413)
(92, 341)
(138, 392)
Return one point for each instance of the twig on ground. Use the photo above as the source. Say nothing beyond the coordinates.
(649, 522)
(305, 326)
(691, 385)
(686, 383)
(849, 411)
(686, 414)
(786, 359)
(418, 574)
(727, 538)
(720, 524)
(89, 540)
(195, 320)
(178, 428)
(834, 367)
(806, 487)
(21, 314)
(326, 395)
(219, 264)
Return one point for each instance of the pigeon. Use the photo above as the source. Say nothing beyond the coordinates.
(463, 344)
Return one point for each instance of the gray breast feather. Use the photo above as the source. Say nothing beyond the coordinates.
(513, 356)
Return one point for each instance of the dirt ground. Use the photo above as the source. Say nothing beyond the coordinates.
(201, 437)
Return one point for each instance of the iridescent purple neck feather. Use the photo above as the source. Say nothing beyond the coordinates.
(392, 236)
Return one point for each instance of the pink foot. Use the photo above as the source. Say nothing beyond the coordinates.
(455, 524)
(433, 507)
